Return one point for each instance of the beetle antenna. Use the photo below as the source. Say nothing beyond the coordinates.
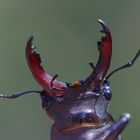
(127, 65)
(13, 96)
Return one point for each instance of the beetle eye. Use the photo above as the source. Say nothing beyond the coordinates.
(107, 92)
(106, 82)
(98, 91)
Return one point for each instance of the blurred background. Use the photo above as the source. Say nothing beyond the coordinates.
(66, 32)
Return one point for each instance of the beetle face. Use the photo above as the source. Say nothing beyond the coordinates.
(92, 82)
(84, 106)
(78, 100)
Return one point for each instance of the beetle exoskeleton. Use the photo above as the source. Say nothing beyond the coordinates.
(79, 109)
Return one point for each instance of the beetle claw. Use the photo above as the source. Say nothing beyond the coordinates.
(30, 40)
(34, 62)
(105, 50)
(30, 45)
(104, 25)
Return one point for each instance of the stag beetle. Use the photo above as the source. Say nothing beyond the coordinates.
(79, 109)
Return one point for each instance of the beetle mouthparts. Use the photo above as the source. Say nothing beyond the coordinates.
(52, 86)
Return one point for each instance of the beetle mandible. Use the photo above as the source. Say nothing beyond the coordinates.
(79, 109)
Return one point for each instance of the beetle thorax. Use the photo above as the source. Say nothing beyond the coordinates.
(86, 108)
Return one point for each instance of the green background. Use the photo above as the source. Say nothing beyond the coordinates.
(67, 32)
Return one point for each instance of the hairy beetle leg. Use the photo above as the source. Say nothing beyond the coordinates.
(115, 129)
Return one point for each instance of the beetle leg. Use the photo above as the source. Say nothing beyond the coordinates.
(113, 132)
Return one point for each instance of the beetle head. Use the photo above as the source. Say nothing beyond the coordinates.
(62, 98)
(84, 102)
